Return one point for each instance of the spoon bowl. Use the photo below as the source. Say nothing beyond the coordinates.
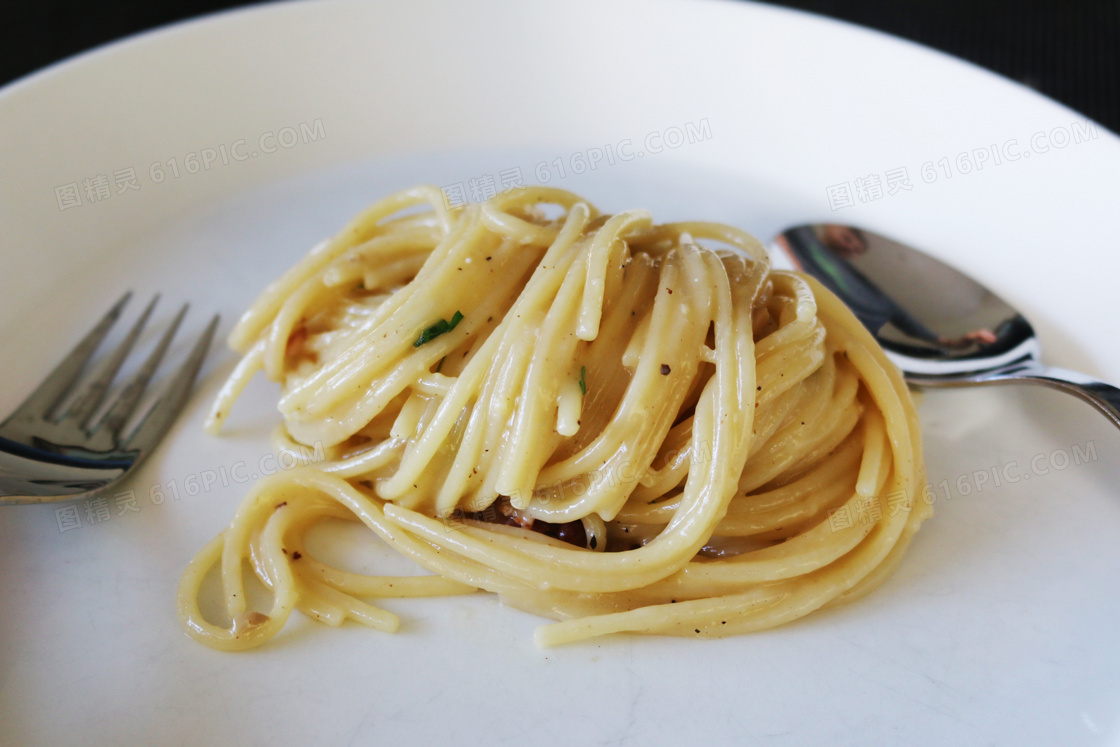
(938, 325)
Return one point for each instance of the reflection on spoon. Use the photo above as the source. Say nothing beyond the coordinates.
(939, 326)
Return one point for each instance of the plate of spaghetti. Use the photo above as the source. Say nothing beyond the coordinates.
(520, 438)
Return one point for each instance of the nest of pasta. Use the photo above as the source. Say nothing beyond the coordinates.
(620, 425)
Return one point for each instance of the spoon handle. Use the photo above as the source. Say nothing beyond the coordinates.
(1104, 397)
(1100, 395)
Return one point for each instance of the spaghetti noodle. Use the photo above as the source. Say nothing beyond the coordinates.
(619, 425)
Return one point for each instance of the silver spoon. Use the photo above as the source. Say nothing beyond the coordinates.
(939, 326)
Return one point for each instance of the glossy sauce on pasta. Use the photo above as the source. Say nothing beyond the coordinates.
(724, 446)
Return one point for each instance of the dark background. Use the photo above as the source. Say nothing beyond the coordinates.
(1066, 50)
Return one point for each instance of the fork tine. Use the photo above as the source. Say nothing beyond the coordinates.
(156, 422)
(94, 393)
(61, 380)
(126, 401)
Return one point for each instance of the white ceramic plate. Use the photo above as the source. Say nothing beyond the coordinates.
(999, 627)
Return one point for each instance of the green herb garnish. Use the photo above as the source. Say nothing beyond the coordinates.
(438, 329)
(583, 379)
(441, 360)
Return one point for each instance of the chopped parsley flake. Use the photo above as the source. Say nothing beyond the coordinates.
(583, 379)
(438, 329)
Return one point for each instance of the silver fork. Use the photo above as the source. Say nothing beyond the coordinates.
(47, 456)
